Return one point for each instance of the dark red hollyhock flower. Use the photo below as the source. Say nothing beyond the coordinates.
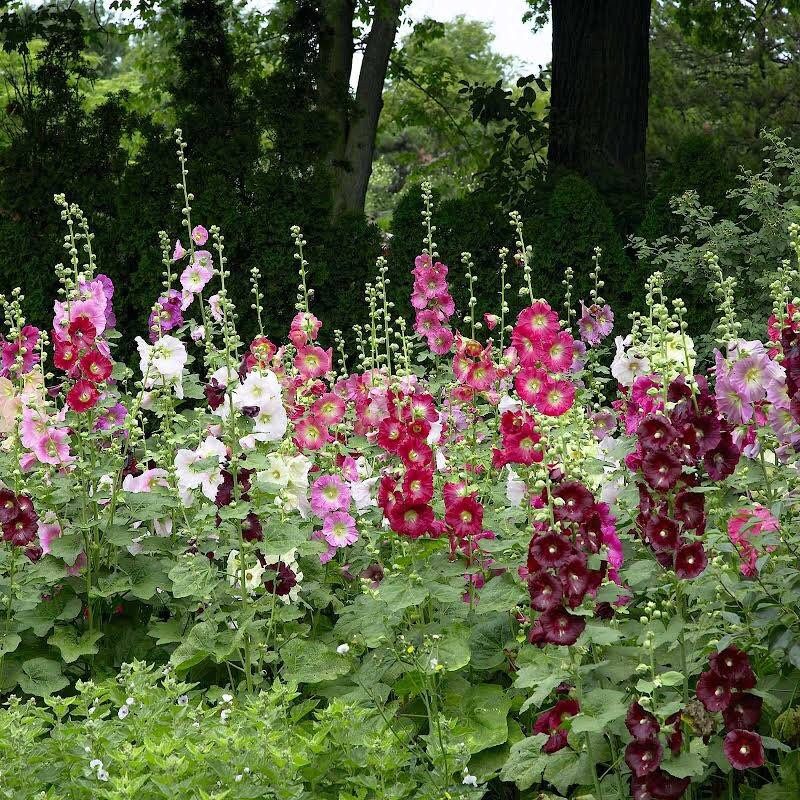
(33, 552)
(722, 460)
(733, 666)
(391, 433)
(575, 578)
(465, 516)
(410, 520)
(577, 501)
(279, 579)
(604, 611)
(713, 691)
(675, 737)
(646, 503)
(25, 504)
(744, 749)
(663, 786)
(550, 722)
(545, 591)
(662, 533)
(661, 469)
(561, 627)
(690, 509)
(690, 561)
(551, 549)
(707, 433)
(536, 634)
(678, 390)
(21, 530)
(655, 432)
(65, 355)
(418, 485)
(414, 452)
(641, 723)
(82, 396)
(251, 528)
(643, 757)
(744, 712)
(639, 790)
(215, 394)
(8, 506)
(96, 367)
(82, 332)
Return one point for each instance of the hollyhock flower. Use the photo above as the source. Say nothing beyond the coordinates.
(551, 721)
(491, 320)
(305, 327)
(713, 691)
(440, 340)
(410, 520)
(252, 530)
(9, 507)
(310, 435)
(560, 627)
(662, 533)
(196, 276)
(556, 397)
(339, 529)
(750, 376)
(540, 318)
(661, 470)
(545, 590)
(465, 516)
(215, 306)
(95, 367)
(656, 432)
(530, 383)
(313, 362)
(145, 482)
(82, 396)
(201, 468)
(252, 576)
(329, 408)
(604, 423)
(179, 252)
(576, 500)
(731, 404)
(53, 447)
(733, 665)
(166, 315)
(418, 485)
(643, 756)
(744, 749)
(721, 462)
(690, 509)
(259, 390)
(641, 724)
(690, 560)
(661, 785)
(743, 529)
(515, 488)
(627, 366)
(329, 493)
(557, 353)
(551, 549)
(414, 452)
(162, 363)
(575, 578)
(744, 712)
(19, 356)
(199, 235)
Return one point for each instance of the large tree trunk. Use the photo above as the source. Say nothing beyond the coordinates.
(598, 99)
(354, 171)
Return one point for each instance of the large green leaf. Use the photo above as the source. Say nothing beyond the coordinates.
(308, 661)
(72, 645)
(41, 677)
(599, 708)
(9, 642)
(480, 712)
(489, 639)
(526, 762)
(62, 606)
(193, 577)
(205, 640)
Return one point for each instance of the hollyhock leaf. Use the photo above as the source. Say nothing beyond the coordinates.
(72, 645)
(169, 632)
(452, 651)
(193, 577)
(671, 678)
(686, 765)
(9, 642)
(500, 593)
(41, 677)
(366, 617)
(488, 640)
(63, 606)
(599, 708)
(598, 633)
(640, 572)
(480, 713)
(526, 762)
(312, 661)
(544, 688)
(67, 546)
(205, 641)
(774, 744)
(567, 768)
(398, 593)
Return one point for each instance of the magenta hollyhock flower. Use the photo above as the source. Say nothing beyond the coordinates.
(310, 435)
(713, 691)
(53, 447)
(329, 493)
(339, 529)
(643, 756)
(313, 362)
(409, 520)
(556, 397)
(418, 485)
(545, 590)
(440, 340)
(24, 348)
(690, 560)
(557, 353)
(560, 627)
(744, 749)
(744, 712)
(529, 383)
(465, 516)
(82, 396)
(744, 528)
(641, 724)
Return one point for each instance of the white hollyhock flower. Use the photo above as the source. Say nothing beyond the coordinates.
(515, 488)
(261, 390)
(271, 421)
(627, 366)
(200, 468)
(252, 573)
(362, 493)
(162, 363)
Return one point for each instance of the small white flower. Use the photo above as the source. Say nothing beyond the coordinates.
(343, 649)
(470, 780)
(102, 775)
(434, 662)
(123, 712)
(95, 763)
(183, 700)
(238, 778)
(227, 698)
(130, 702)
(225, 714)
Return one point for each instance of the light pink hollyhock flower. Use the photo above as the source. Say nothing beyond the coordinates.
(215, 305)
(146, 481)
(491, 320)
(744, 527)
(325, 557)
(310, 435)
(305, 328)
(48, 530)
(53, 447)
(10, 406)
(92, 310)
(179, 252)
(24, 347)
(339, 529)
(195, 277)
(199, 235)
(329, 493)
(313, 362)
(198, 333)
(751, 375)
(330, 408)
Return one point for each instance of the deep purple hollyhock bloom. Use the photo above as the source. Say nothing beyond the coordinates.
(733, 666)
(707, 433)
(575, 579)
(713, 691)
(550, 721)
(690, 509)
(280, 579)
(655, 432)
(551, 549)
(744, 749)
(8, 506)
(21, 530)
(722, 460)
(215, 394)
(675, 736)
(662, 533)
(661, 469)
(663, 786)
(536, 634)
(561, 627)
(545, 591)
(641, 724)
(577, 499)
(744, 712)
(643, 757)
(251, 528)
(690, 560)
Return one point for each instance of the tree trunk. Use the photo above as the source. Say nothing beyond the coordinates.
(599, 93)
(354, 173)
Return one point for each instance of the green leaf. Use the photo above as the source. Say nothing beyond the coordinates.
(600, 634)
(600, 707)
(204, 641)
(398, 593)
(451, 650)
(41, 677)
(41, 618)
(480, 712)
(307, 661)
(543, 689)
(67, 546)
(489, 639)
(566, 768)
(671, 678)
(73, 646)
(526, 762)
(789, 786)
(501, 593)
(9, 642)
(193, 577)
(686, 765)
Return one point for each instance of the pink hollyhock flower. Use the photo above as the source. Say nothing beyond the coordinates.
(34, 426)
(743, 528)
(556, 353)
(750, 376)
(215, 306)
(426, 322)
(329, 493)
(491, 320)
(310, 434)
(179, 252)
(47, 531)
(196, 276)
(53, 447)
(556, 398)
(305, 328)
(440, 340)
(145, 482)
(24, 348)
(313, 362)
(604, 423)
(91, 310)
(731, 403)
(329, 408)
(199, 235)
(111, 417)
(339, 529)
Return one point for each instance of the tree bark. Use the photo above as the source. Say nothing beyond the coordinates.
(599, 94)
(354, 173)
